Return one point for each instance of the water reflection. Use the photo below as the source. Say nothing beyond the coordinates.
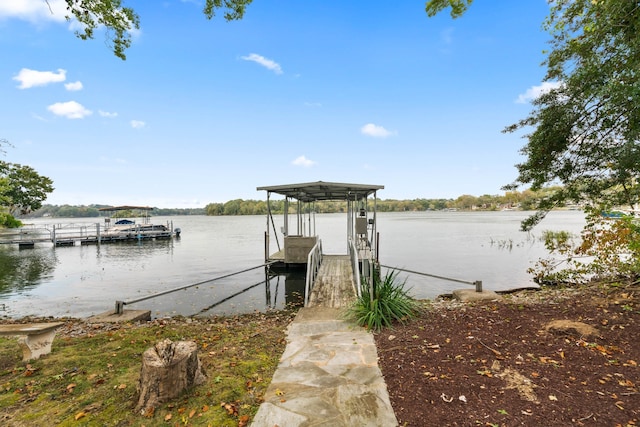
(25, 269)
(276, 290)
(22, 270)
(135, 249)
(294, 284)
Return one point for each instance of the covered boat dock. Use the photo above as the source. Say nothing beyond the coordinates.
(331, 280)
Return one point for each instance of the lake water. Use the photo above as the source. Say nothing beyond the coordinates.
(80, 281)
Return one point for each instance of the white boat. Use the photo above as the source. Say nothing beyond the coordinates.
(137, 229)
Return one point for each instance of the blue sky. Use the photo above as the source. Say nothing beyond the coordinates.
(206, 111)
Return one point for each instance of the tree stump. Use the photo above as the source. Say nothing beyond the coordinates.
(168, 368)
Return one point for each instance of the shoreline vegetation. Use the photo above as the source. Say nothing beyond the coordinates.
(511, 200)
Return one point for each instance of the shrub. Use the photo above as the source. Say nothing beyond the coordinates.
(390, 303)
(609, 250)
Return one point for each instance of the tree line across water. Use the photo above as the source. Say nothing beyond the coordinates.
(525, 200)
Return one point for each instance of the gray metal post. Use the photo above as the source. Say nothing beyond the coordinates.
(478, 284)
(286, 216)
(266, 244)
(119, 307)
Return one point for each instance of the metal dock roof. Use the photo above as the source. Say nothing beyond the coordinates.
(320, 190)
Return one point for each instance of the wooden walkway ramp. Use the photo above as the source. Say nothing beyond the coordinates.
(334, 287)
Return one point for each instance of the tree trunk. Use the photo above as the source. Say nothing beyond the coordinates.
(168, 368)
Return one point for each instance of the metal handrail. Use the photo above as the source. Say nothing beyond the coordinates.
(314, 259)
(120, 304)
(477, 283)
(353, 256)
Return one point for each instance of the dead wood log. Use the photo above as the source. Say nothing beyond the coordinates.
(168, 368)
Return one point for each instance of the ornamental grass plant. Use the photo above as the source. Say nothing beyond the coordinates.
(389, 303)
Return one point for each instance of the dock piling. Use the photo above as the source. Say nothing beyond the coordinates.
(478, 284)
(119, 307)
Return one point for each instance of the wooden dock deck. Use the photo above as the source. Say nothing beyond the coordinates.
(334, 285)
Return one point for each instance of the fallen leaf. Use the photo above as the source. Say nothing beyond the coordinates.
(122, 386)
(626, 383)
(231, 409)
(192, 413)
(552, 397)
(243, 421)
(80, 415)
(168, 417)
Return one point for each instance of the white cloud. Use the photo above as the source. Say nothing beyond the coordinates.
(265, 62)
(375, 131)
(107, 114)
(313, 104)
(72, 87)
(535, 91)
(303, 161)
(30, 78)
(34, 10)
(137, 124)
(70, 110)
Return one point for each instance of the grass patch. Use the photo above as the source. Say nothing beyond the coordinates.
(90, 377)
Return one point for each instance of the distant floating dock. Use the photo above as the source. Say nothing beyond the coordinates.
(61, 235)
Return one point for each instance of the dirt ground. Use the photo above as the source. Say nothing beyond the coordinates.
(536, 358)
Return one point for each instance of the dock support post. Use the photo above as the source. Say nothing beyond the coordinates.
(119, 307)
(478, 284)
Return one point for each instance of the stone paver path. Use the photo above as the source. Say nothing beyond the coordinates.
(327, 376)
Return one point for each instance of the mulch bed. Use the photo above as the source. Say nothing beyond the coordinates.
(550, 358)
